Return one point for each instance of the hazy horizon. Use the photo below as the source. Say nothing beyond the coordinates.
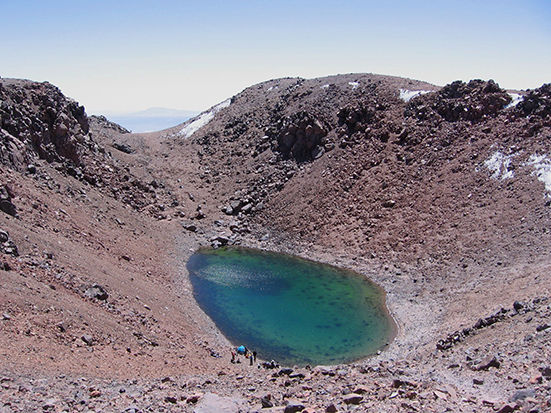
(129, 56)
(150, 119)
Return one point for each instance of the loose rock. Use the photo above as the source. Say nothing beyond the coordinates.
(88, 339)
(96, 291)
(266, 401)
(353, 398)
(293, 407)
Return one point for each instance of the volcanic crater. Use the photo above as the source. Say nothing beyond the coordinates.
(441, 195)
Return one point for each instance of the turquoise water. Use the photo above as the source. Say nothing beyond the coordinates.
(288, 309)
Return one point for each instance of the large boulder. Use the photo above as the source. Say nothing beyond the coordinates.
(96, 291)
(294, 406)
(7, 246)
(6, 205)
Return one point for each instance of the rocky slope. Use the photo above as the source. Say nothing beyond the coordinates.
(441, 195)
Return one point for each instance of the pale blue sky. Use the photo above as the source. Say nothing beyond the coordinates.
(130, 55)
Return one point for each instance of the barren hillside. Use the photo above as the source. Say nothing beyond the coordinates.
(440, 194)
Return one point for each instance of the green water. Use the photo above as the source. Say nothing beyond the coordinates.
(288, 309)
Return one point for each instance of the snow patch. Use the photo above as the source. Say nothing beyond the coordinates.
(516, 100)
(324, 86)
(198, 122)
(272, 88)
(542, 166)
(354, 84)
(499, 165)
(407, 95)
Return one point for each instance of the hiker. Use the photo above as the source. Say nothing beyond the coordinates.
(233, 355)
(250, 359)
(241, 350)
(254, 356)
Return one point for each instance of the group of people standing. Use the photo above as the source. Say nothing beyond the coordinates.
(242, 351)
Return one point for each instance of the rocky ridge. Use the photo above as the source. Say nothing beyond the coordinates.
(39, 124)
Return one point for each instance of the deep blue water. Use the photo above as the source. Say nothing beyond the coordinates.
(288, 309)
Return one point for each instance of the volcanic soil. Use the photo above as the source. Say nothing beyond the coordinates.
(441, 195)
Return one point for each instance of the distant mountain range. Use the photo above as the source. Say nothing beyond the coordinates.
(152, 119)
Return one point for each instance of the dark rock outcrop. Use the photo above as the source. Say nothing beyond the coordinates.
(458, 100)
(103, 122)
(37, 120)
(298, 136)
(356, 117)
(123, 147)
(537, 103)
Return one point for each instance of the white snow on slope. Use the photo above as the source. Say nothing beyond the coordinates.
(499, 164)
(198, 122)
(407, 95)
(542, 166)
(324, 86)
(354, 84)
(516, 100)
